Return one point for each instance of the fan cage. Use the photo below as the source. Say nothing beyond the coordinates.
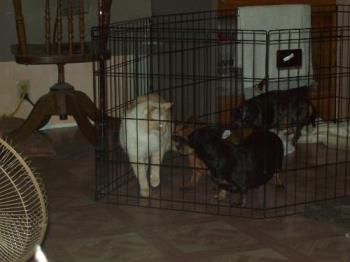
(23, 206)
(180, 57)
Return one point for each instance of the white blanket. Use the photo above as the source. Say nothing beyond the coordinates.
(333, 135)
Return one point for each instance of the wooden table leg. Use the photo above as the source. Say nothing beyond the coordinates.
(77, 104)
(39, 114)
(87, 105)
(44, 122)
(82, 119)
(90, 109)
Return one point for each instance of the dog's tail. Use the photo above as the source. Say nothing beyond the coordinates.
(305, 92)
(313, 115)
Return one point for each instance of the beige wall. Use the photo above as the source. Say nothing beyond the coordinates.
(41, 78)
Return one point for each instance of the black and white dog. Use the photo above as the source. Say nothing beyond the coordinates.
(238, 167)
(274, 109)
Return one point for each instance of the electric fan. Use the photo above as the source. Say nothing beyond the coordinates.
(23, 207)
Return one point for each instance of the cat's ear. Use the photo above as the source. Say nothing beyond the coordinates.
(166, 105)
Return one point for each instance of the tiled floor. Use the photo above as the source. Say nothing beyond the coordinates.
(83, 230)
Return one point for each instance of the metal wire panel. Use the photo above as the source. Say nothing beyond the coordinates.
(199, 62)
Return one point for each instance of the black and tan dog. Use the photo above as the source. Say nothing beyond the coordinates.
(238, 168)
(198, 167)
(276, 109)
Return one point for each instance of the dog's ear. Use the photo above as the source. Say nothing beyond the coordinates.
(261, 86)
(183, 128)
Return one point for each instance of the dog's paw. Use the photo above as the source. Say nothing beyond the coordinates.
(240, 202)
(221, 195)
(278, 182)
(280, 186)
(294, 141)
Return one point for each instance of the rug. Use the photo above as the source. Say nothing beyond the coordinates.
(335, 212)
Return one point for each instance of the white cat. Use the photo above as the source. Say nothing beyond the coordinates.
(145, 134)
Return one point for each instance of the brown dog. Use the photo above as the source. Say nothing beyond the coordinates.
(198, 168)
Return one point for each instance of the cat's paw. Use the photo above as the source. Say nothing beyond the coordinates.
(155, 180)
(144, 192)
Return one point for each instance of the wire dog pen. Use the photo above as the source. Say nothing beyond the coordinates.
(206, 64)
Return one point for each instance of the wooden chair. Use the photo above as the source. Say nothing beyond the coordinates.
(62, 99)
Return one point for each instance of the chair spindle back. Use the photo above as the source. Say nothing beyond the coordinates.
(55, 44)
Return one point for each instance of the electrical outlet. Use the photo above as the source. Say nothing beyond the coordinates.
(23, 87)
